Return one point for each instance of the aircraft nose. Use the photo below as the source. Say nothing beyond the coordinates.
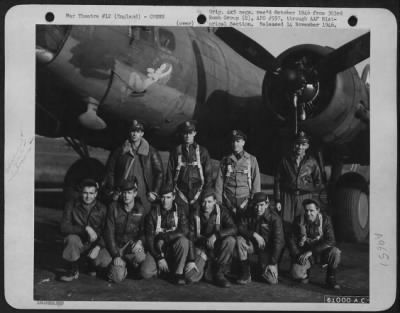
(49, 41)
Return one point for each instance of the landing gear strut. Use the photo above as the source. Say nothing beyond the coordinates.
(85, 167)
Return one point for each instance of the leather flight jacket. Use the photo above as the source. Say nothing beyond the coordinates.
(76, 217)
(172, 225)
(123, 226)
(298, 180)
(220, 223)
(269, 226)
(319, 236)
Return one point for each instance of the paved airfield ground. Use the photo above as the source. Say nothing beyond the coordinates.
(53, 158)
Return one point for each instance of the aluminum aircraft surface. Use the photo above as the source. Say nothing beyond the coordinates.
(93, 80)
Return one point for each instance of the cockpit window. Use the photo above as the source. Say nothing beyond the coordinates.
(146, 33)
(167, 39)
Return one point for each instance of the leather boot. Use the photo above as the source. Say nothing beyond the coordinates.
(220, 279)
(331, 279)
(245, 275)
(72, 272)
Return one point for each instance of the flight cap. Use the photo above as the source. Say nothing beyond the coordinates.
(238, 134)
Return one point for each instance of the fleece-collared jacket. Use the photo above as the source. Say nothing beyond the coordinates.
(77, 216)
(122, 226)
(269, 226)
(119, 166)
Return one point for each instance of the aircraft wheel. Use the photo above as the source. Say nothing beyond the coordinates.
(352, 209)
(81, 169)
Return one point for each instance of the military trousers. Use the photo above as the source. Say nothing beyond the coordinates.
(176, 254)
(246, 247)
(74, 248)
(221, 254)
(329, 257)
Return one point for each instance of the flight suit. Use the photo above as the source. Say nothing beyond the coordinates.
(172, 228)
(201, 228)
(238, 179)
(189, 170)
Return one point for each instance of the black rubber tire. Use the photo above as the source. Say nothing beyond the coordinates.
(350, 225)
(81, 169)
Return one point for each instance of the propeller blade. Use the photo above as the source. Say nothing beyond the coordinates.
(344, 57)
(248, 48)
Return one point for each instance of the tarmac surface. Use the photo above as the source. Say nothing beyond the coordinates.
(52, 160)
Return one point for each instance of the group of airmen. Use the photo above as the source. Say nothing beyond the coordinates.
(184, 227)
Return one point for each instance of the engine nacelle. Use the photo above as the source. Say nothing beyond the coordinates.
(332, 108)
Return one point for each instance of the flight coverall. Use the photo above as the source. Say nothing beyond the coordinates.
(294, 184)
(189, 170)
(124, 237)
(170, 227)
(319, 238)
(76, 217)
(269, 227)
(220, 224)
(238, 179)
(144, 164)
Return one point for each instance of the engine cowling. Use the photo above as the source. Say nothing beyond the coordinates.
(330, 109)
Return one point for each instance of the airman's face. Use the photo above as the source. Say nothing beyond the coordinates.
(188, 138)
(136, 135)
(300, 148)
(238, 145)
(260, 207)
(208, 204)
(88, 194)
(167, 200)
(311, 211)
(128, 196)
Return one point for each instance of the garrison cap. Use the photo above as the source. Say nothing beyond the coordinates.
(136, 125)
(167, 188)
(128, 184)
(259, 197)
(309, 201)
(301, 137)
(238, 134)
(187, 127)
(208, 192)
(87, 182)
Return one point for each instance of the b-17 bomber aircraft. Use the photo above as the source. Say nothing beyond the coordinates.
(93, 80)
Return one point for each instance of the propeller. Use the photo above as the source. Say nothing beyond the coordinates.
(344, 57)
(303, 76)
(248, 48)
